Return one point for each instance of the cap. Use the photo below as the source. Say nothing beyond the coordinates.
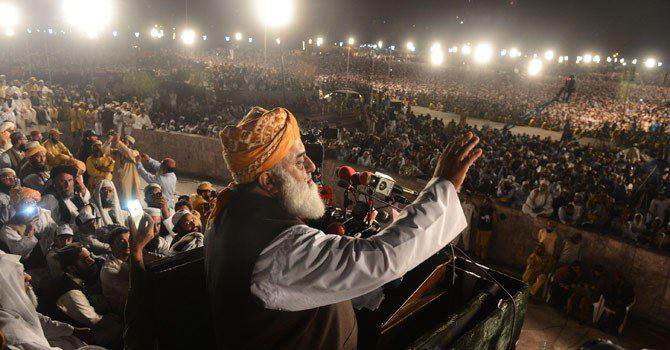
(64, 230)
(89, 133)
(130, 139)
(176, 217)
(4, 171)
(205, 186)
(170, 163)
(55, 132)
(7, 126)
(33, 148)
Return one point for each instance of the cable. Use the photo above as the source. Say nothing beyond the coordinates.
(511, 297)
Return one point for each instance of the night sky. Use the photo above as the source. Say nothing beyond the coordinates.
(639, 27)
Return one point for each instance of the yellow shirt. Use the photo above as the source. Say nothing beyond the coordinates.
(57, 153)
(98, 169)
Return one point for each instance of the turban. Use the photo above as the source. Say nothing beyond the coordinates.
(20, 194)
(169, 163)
(33, 148)
(256, 144)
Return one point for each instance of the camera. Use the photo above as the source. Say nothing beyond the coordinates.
(382, 184)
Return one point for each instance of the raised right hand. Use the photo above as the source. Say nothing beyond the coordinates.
(457, 158)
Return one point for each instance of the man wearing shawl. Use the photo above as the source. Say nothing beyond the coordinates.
(276, 282)
(105, 200)
(125, 175)
(22, 325)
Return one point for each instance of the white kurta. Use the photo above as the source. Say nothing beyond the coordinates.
(305, 268)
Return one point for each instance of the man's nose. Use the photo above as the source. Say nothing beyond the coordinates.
(309, 165)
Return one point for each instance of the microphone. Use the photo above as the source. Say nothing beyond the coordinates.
(398, 189)
(345, 173)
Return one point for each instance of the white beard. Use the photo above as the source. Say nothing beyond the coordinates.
(300, 199)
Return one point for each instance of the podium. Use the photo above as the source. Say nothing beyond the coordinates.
(428, 308)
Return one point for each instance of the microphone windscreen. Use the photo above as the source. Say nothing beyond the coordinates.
(356, 179)
(345, 172)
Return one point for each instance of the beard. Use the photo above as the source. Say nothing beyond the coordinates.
(31, 295)
(299, 198)
(107, 202)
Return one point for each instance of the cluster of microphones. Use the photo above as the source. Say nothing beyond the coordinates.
(379, 183)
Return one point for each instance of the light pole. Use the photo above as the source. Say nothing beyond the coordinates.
(273, 13)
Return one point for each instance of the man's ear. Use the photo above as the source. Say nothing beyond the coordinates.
(268, 182)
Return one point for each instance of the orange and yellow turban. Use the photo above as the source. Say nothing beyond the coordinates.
(258, 142)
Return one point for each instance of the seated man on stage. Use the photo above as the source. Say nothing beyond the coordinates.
(275, 282)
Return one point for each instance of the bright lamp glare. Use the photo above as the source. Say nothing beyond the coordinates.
(156, 33)
(410, 46)
(514, 52)
(380, 44)
(88, 16)
(238, 36)
(596, 58)
(634, 61)
(351, 41)
(275, 13)
(436, 54)
(483, 53)
(466, 50)
(588, 58)
(534, 67)
(188, 36)
(278, 41)
(650, 62)
(9, 18)
(549, 55)
(319, 41)
(560, 59)
(503, 52)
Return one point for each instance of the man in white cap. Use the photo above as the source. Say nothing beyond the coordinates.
(160, 244)
(7, 183)
(186, 232)
(64, 236)
(539, 201)
(105, 200)
(89, 232)
(13, 157)
(6, 129)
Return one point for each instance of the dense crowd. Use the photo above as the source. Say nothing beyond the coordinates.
(71, 216)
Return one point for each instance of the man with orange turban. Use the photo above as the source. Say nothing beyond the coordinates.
(34, 172)
(267, 270)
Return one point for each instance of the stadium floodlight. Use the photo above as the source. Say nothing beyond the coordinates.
(579, 59)
(251, 40)
(503, 52)
(275, 13)
(560, 59)
(659, 64)
(137, 34)
(514, 52)
(380, 44)
(278, 41)
(410, 46)
(623, 64)
(115, 33)
(351, 41)
(609, 59)
(588, 58)
(238, 36)
(436, 54)
(622, 60)
(549, 55)
(9, 18)
(596, 58)
(319, 41)
(156, 33)
(483, 53)
(310, 41)
(650, 62)
(534, 67)
(634, 61)
(204, 37)
(466, 50)
(88, 16)
(188, 36)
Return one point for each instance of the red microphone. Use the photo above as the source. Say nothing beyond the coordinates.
(364, 178)
(345, 173)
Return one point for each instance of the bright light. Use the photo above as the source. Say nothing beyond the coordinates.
(137, 34)
(560, 59)
(88, 16)
(9, 18)
(115, 33)
(380, 44)
(634, 60)
(188, 36)
(483, 53)
(275, 13)
(503, 52)
(466, 50)
(622, 60)
(351, 41)
(534, 67)
(226, 38)
(588, 58)
(514, 52)
(278, 41)
(549, 55)
(609, 59)
(309, 41)
(238, 36)
(319, 41)
(596, 58)
(650, 62)
(436, 54)
(251, 40)
(660, 64)
(156, 33)
(410, 46)
(204, 37)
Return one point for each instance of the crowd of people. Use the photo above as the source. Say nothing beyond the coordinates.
(68, 218)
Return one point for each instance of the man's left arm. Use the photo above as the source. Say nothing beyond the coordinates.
(305, 268)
